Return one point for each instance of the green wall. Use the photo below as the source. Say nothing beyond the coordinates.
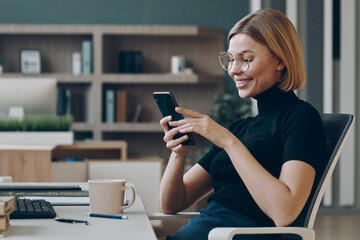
(210, 13)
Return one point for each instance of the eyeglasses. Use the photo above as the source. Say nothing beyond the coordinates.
(226, 61)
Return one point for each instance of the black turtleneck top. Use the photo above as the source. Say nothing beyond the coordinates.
(285, 129)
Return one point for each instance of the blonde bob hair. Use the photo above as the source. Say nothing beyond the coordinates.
(274, 30)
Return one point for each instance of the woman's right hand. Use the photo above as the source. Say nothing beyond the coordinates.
(179, 191)
(171, 143)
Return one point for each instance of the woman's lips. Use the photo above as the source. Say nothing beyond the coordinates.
(242, 83)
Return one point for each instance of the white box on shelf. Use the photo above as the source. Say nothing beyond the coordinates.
(76, 63)
(37, 138)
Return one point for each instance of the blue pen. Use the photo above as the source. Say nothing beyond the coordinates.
(107, 216)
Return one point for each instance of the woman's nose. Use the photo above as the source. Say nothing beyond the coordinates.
(234, 68)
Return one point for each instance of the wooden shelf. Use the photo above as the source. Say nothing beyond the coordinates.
(57, 43)
(46, 29)
(141, 30)
(148, 127)
(60, 77)
(152, 78)
(80, 126)
(160, 78)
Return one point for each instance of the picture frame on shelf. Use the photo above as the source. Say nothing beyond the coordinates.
(30, 61)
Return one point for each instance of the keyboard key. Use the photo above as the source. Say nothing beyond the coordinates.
(29, 205)
(37, 207)
(22, 207)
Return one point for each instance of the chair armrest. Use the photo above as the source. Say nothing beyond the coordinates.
(180, 215)
(223, 233)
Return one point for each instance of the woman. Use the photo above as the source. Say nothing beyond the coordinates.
(262, 168)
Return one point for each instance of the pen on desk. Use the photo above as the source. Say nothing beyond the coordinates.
(107, 216)
(66, 220)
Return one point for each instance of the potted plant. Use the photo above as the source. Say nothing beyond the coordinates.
(36, 130)
(230, 107)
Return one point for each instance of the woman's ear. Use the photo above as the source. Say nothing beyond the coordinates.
(280, 66)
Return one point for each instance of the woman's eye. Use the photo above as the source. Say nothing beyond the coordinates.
(247, 60)
(244, 58)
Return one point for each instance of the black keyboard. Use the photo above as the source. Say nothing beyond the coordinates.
(32, 208)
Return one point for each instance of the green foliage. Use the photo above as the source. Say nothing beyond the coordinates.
(37, 123)
(230, 107)
(10, 125)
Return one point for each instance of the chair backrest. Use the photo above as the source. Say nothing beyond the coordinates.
(336, 128)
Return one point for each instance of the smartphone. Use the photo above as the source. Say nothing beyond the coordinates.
(167, 103)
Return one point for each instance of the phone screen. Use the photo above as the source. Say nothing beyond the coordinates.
(167, 103)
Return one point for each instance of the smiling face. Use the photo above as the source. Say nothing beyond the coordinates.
(264, 71)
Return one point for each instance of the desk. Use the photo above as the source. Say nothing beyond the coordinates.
(136, 227)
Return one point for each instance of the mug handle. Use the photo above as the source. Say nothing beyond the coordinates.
(132, 199)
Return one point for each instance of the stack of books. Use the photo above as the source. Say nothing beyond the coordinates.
(7, 206)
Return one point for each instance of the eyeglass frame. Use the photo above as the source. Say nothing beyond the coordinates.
(232, 59)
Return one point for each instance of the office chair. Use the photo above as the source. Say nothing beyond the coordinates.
(336, 127)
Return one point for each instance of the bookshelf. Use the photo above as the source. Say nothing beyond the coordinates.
(57, 43)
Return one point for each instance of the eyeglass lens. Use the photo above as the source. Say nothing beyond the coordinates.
(226, 61)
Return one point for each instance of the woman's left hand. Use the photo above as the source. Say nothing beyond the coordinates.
(202, 125)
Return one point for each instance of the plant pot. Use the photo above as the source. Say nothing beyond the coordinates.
(37, 138)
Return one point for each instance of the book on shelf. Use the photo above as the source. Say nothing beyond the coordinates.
(71, 102)
(137, 112)
(86, 57)
(68, 102)
(130, 61)
(63, 101)
(121, 106)
(110, 106)
(77, 105)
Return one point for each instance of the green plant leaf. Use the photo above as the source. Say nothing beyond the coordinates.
(37, 123)
(230, 107)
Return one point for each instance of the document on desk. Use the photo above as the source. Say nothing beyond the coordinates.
(45, 189)
(39, 186)
(63, 201)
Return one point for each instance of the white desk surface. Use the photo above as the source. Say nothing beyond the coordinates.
(136, 227)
